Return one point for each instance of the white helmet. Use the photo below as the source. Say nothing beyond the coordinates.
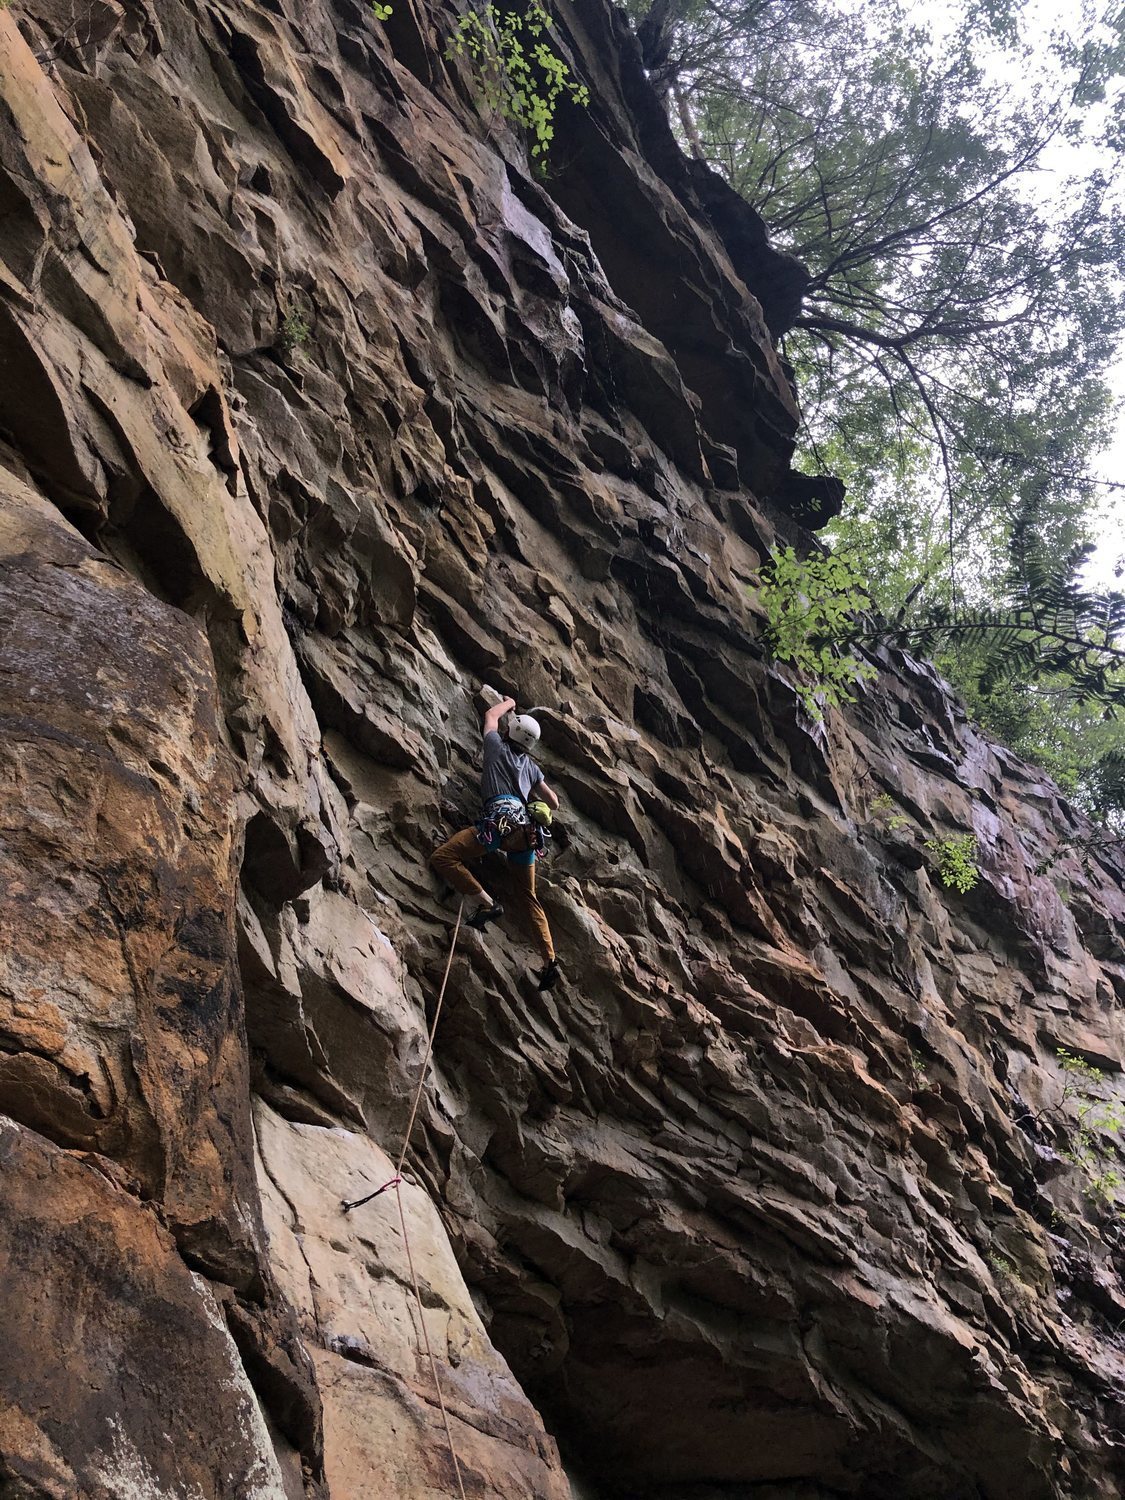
(523, 731)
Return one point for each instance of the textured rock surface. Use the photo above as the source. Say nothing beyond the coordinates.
(123, 1067)
(121, 1031)
(350, 1278)
(769, 1193)
(115, 1350)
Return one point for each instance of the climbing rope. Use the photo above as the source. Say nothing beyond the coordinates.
(396, 1183)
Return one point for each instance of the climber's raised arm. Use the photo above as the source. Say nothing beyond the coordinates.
(494, 714)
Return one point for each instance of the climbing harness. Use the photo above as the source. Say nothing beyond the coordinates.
(502, 815)
(396, 1183)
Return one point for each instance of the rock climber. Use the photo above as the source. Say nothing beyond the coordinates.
(515, 798)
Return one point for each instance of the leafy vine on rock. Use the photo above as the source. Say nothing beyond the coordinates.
(522, 83)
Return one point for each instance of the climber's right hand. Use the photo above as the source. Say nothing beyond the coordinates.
(495, 714)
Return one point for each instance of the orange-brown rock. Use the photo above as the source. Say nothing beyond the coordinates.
(124, 1119)
(119, 1004)
(349, 1276)
(116, 1353)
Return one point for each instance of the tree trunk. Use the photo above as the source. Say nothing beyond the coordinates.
(687, 120)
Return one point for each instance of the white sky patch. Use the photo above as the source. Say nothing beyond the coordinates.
(1110, 526)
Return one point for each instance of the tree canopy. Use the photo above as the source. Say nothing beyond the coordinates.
(953, 179)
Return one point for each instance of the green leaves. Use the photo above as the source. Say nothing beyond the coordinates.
(810, 605)
(956, 861)
(1043, 667)
(521, 82)
(294, 333)
(957, 190)
(1094, 1116)
(882, 808)
(966, 296)
(1041, 663)
(1047, 625)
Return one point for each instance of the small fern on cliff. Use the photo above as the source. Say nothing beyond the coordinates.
(520, 81)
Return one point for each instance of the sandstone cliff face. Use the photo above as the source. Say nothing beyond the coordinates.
(316, 409)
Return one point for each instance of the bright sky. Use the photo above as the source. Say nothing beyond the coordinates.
(1111, 531)
(1071, 160)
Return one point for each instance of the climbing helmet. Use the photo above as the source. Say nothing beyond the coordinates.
(523, 731)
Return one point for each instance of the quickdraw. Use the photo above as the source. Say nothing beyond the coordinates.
(492, 830)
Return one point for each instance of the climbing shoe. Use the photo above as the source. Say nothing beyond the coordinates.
(549, 975)
(483, 915)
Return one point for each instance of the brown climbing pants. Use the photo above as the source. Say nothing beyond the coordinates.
(449, 860)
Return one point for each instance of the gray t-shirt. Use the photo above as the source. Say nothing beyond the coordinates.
(506, 769)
